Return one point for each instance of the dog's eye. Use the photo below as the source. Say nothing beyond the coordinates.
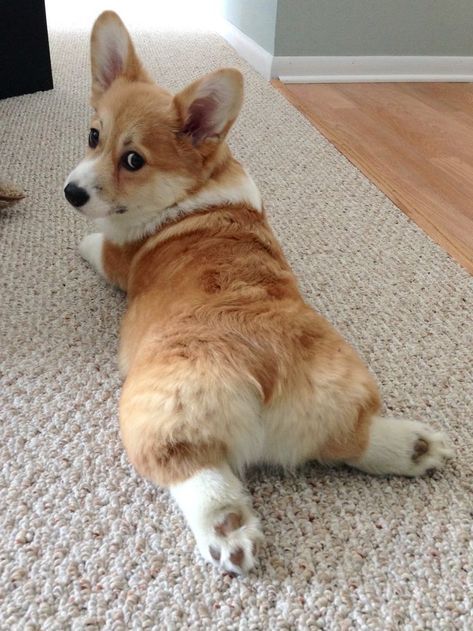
(93, 138)
(132, 161)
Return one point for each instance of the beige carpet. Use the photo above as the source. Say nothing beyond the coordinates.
(85, 543)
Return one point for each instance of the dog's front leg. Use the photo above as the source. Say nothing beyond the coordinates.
(110, 260)
(91, 249)
(218, 510)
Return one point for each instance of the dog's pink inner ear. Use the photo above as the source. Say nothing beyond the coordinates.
(113, 66)
(111, 52)
(208, 107)
(200, 116)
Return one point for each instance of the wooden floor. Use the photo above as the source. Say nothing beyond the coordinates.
(413, 140)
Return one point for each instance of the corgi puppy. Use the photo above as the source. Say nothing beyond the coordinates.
(224, 364)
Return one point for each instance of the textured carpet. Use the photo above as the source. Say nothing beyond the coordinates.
(87, 544)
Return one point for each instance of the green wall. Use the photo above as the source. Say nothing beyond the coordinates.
(255, 18)
(356, 27)
(374, 27)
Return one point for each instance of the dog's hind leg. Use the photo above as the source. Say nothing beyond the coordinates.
(182, 431)
(338, 421)
(219, 513)
(402, 447)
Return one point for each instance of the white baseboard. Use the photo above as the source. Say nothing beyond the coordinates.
(253, 53)
(372, 68)
(346, 69)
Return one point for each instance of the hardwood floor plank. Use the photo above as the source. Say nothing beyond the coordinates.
(414, 141)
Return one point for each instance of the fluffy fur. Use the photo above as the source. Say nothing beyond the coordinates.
(224, 364)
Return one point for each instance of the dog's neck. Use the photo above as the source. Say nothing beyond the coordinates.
(232, 186)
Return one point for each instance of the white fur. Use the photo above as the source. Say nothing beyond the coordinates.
(391, 448)
(90, 249)
(206, 499)
(243, 191)
(84, 174)
(127, 227)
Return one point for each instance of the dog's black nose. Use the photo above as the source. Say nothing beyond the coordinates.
(76, 195)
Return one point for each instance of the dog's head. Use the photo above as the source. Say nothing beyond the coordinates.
(148, 149)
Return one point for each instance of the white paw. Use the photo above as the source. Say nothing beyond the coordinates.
(230, 539)
(219, 513)
(428, 449)
(403, 447)
(90, 249)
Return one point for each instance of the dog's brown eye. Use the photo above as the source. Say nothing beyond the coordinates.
(93, 138)
(132, 161)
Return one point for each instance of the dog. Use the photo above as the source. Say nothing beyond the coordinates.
(224, 364)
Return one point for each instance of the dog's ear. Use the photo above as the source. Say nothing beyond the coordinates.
(112, 54)
(208, 107)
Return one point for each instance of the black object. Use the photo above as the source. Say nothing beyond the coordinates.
(25, 65)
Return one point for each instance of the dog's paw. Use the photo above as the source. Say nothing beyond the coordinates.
(404, 447)
(430, 450)
(231, 540)
(90, 248)
(219, 513)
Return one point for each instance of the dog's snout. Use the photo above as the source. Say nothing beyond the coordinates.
(76, 195)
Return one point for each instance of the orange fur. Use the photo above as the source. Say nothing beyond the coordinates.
(220, 299)
(117, 261)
